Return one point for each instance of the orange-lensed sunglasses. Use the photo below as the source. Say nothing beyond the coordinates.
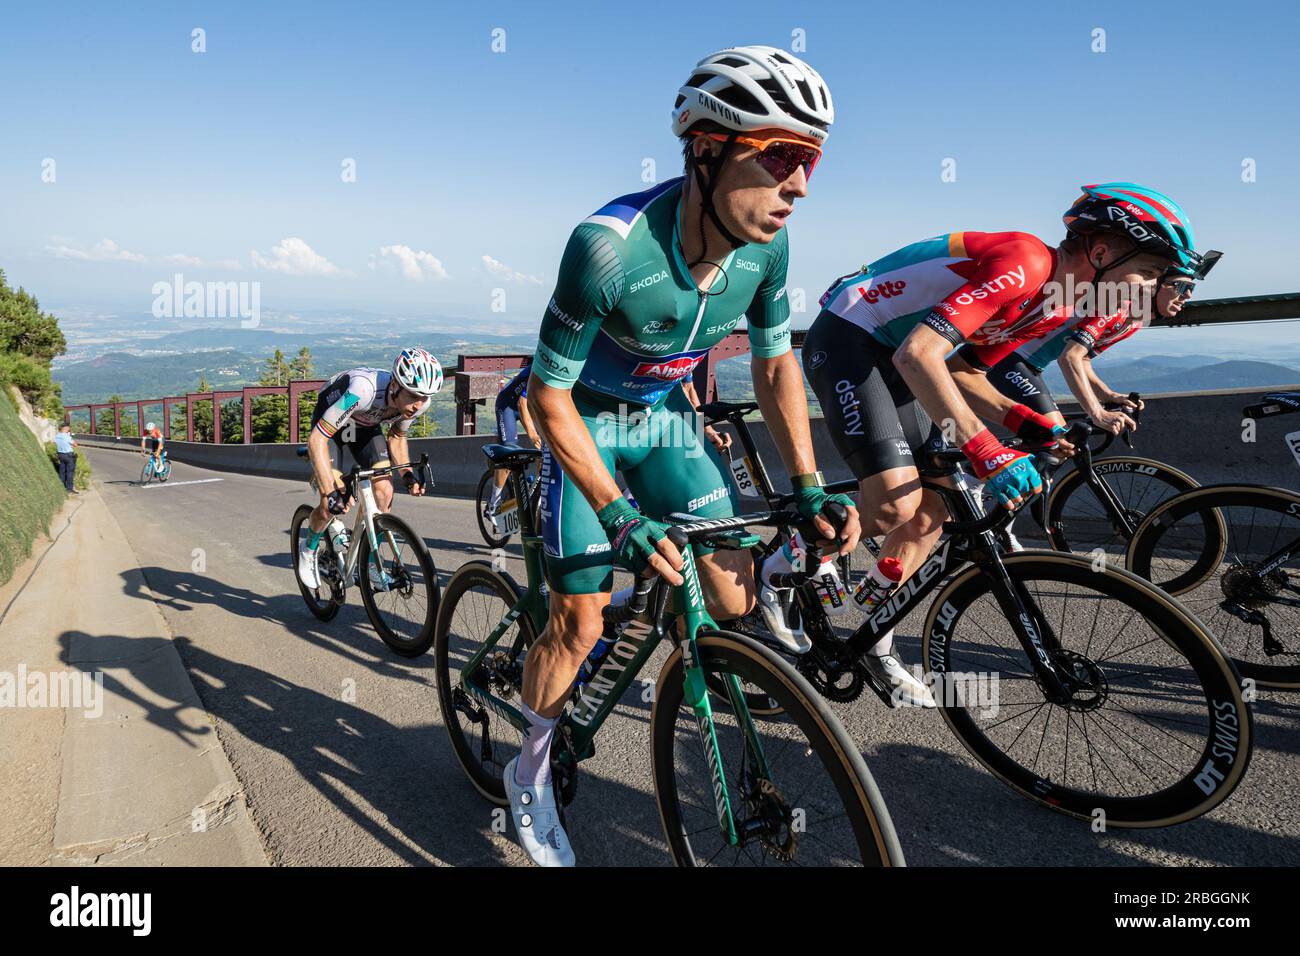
(780, 154)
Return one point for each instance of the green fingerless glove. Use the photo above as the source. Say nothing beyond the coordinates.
(811, 500)
(631, 534)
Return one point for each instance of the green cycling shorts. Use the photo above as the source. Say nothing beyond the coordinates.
(668, 465)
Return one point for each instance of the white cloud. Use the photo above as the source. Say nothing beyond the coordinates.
(195, 262)
(413, 264)
(293, 256)
(503, 271)
(106, 250)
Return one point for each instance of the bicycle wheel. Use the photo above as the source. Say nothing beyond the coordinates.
(324, 602)
(146, 473)
(399, 586)
(816, 805)
(1155, 730)
(486, 526)
(166, 471)
(478, 598)
(1077, 521)
(1232, 555)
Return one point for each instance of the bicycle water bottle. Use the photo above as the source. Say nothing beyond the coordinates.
(878, 584)
(341, 538)
(596, 657)
(830, 587)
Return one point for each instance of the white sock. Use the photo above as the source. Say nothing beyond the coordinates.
(534, 767)
(882, 647)
(496, 498)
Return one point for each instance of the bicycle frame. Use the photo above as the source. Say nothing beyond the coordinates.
(367, 511)
(623, 664)
(1035, 635)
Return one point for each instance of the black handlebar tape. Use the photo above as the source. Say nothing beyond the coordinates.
(836, 514)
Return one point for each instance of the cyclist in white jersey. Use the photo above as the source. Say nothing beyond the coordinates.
(351, 412)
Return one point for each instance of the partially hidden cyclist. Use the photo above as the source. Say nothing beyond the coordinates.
(880, 357)
(647, 284)
(511, 413)
(351, 411)
(1074, 346)
(152, 445)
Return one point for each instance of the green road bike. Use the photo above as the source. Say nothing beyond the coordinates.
(732, 787)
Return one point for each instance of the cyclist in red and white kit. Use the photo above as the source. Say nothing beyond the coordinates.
(1074, 346)
(881, 357)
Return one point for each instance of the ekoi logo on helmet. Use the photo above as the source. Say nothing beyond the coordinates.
(670, 371)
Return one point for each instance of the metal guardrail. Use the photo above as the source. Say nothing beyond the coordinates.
(477, 377)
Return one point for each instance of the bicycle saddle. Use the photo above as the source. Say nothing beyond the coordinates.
(1273, 403)
(508, 456)
(721, 411)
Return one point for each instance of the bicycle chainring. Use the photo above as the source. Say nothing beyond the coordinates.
(836, 682)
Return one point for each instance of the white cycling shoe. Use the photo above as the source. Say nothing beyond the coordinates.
(781, 615)
(537, 821)
(905, 689)
(308, 569)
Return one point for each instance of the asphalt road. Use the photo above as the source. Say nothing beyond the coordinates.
(340, 748)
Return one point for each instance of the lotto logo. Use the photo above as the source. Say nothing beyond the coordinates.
(885, 290)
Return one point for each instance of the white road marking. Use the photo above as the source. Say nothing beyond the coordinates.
(177, 484)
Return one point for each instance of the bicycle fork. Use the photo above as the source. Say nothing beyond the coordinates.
(696, 696)
(1036, 635)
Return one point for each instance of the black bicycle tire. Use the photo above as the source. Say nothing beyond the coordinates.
(480, 503)
(468, 575)
(1146, 540)
(1176, 804)
(874, 831)
(1073, 482)
(417, 646)
(329, 609)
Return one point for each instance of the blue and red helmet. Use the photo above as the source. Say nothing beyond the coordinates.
(1154, 222)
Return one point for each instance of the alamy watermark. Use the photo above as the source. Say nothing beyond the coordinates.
(973, 690)
(70, 690)
(636, 428)
(208, 300)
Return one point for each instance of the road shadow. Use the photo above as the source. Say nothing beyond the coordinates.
(399, 785)
(349, 635)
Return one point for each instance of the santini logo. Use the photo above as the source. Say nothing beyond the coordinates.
(103, 909)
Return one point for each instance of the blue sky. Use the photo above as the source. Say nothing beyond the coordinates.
(224, 157)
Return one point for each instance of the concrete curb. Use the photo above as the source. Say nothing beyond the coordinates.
(143, 778)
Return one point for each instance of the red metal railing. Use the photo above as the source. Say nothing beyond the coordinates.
(292, 392)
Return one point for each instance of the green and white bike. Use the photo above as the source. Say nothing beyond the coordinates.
(733, 787)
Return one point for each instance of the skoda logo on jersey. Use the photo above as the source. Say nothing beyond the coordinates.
(650, 280)
(747, 265)
(673, 370)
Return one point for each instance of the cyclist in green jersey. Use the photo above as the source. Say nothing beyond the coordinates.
(646, 286)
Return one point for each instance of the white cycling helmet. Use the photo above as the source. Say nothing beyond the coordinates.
(150, 427)
(417, 371)
(747, 88)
